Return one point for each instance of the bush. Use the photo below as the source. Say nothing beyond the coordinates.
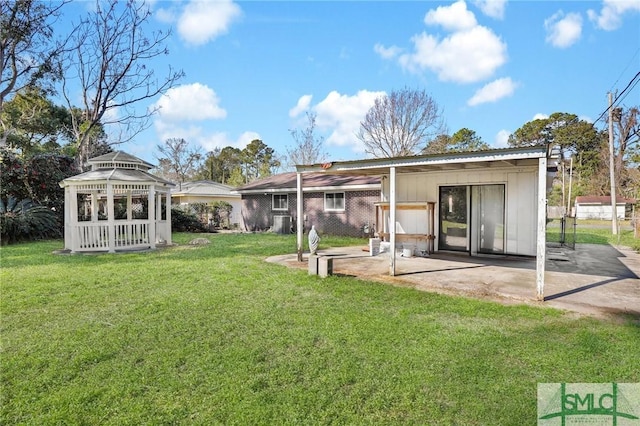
(23, 220)
(182, 221)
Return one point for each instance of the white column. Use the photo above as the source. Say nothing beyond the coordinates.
(68, 226)
(111, 221)
(129, 206)
(159, 216)
(152, 216)
(300, 218)
(542, 227)
(168, 216)
(94, 206)
(392, 219)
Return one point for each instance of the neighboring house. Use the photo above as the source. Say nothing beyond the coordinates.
(207, 191)
(336, 205)
(599, 207)
(484, 202)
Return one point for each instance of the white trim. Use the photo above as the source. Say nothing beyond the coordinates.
(311, 189)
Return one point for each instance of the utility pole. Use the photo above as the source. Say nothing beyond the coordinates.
(612, 175)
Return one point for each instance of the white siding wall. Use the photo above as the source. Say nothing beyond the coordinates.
(520, 204)
(598, 211)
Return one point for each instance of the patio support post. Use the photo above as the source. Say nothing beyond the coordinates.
(542, 225)
(299, 218)
(392, 220)
(151, 230)
(111, 220)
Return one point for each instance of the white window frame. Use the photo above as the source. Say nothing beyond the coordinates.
(286, 202)
(333, 209)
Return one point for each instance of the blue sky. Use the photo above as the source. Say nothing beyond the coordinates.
(254, 68)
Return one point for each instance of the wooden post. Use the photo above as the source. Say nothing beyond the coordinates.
(392, 220)
(300, 218)
(542, 226)
(111, 221)
(151, 230)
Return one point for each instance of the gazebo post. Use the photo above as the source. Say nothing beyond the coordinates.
(111, 221)
(73, 218)
(151, 231)
(168, 216)
(159, 215)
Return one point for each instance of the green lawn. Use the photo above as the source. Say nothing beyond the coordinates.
(214, 335)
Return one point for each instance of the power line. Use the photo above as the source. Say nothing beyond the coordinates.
(632, 82)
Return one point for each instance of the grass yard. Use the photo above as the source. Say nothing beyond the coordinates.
(215, 335)
(597, 232)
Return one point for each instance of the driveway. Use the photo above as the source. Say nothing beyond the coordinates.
(592, 279)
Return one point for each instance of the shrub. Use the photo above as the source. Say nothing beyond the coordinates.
(23, 220)
(182, 221)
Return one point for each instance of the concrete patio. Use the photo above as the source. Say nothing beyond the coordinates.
(592, 279)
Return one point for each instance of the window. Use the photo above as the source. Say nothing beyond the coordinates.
(334, 201)
(280, 202)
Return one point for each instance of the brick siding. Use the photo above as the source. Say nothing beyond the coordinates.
(359, 210)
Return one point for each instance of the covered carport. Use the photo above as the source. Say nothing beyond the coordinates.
(521, 176)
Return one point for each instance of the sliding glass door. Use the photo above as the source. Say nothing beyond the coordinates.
(487, 210)
(472, 218)
(454, 218)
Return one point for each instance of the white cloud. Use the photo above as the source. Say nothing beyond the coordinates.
(502, 139)
(191, 102)
(301, 106)
(387, 52)
(610, 16)
(492, 8)
(563, 31)
(540, 116)
(341, 115)
(455, 17)
(493, 91)
(203, 21)
(470, 53)
(464, 57)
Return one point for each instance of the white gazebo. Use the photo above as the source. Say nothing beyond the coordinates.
(117, 205)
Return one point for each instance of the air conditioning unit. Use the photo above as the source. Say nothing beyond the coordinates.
(282, 224)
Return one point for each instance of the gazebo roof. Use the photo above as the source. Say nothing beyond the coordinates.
(117, 167)
(118, 158)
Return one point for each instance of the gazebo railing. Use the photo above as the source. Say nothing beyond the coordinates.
(94, 236)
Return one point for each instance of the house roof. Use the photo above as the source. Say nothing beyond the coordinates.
(434, 162)
(603, 199)
(287, 182)
(204, 188)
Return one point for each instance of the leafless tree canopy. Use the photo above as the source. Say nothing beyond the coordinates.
(400, 123)
(112, 60)
(28, 52)
(179, 161)
(308, 148)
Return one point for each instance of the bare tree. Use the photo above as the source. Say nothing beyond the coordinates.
(178, 160)
(308, 148)
(27, 51)
(111, 59)
(400, 123)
